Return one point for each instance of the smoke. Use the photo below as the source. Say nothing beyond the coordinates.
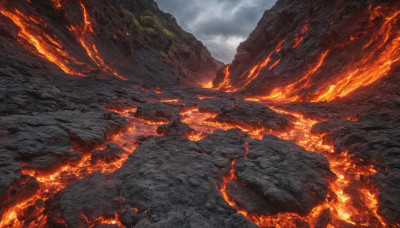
(220, 24)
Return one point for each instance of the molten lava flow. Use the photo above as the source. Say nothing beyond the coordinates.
(51, 184)
(376, 62)
(299, 36)
(350, 201)
(85, 36)
(57, 3)
(33, 34)
(207, 85)
(225, 85)
(380, 53)
(202, 121)
(255, 71)
(290, 91)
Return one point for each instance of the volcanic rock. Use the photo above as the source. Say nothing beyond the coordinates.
(83, 201)
(44, 140)
(157, 111)
(172, 181)
(280, 176)
(111, 153)
(253, 115)
(227, 144)
(175, 127)
(9, 171)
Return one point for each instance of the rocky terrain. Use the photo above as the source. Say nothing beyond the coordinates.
(103, 122)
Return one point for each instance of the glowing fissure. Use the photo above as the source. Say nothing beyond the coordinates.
(358, 208)
(53, 183)
(255, 71)
(290, 91)
(85, 36)
(33, 36)
(344, 208)
(380, 53)
(300, 36)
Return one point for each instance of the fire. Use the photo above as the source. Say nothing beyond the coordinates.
(85, 36)
(33, 35)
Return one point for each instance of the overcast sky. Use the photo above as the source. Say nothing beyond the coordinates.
(220, 24)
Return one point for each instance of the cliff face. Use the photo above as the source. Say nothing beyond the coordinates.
(132, 40)
(305, 50)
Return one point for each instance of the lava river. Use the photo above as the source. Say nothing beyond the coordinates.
(350, 201)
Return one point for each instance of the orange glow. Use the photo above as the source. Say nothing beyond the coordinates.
(255, 71)
(359, 207)
(85, 36)
(300, 36)
(57, 3)
(289, 92)
(225, 85)
(34, 38)
(207, 85)
(52, 183)
(376, 63)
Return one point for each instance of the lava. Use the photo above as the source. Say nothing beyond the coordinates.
(33, 34)
(376, 63)
(349, 201)
(380, 53)
(225, 84)
(300, 36)
(255, 71)
(290, 91)
(53, 183)
(85, 35)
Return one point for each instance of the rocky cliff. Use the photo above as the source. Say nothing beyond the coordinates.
(317, 51)
(131, 40)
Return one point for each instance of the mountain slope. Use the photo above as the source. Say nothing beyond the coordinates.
(316, 50)
(127, 39)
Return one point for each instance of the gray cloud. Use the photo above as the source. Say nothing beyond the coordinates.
(220, 24)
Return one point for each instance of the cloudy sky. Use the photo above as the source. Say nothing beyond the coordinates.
(220, 24)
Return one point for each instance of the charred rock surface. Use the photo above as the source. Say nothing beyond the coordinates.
(277, 175)
(175, 127)
(111, 153)
(85, 200)
(254, 115)
(171, 181)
